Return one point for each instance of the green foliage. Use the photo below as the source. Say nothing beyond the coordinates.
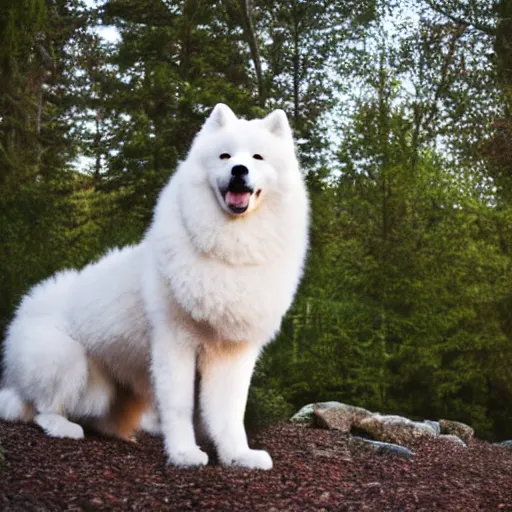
(399, 310)
(20, 23)
(265, 407)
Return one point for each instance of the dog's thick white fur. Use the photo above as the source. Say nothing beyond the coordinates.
(205, 290)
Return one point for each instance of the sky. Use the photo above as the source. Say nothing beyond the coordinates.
(107, 32)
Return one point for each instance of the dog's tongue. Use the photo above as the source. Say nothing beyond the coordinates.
(239, 199)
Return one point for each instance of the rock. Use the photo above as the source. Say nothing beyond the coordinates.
(342, 417)
(429, 430)
(389, 433)
(505, 444)
(435, 425)
(456, 428)
(450, 438)
(327, 405)
(379, 447)
(305, 415)
(339, 450)
(395, 429)
(393, 449)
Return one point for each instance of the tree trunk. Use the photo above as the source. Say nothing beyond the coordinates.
(247, 16)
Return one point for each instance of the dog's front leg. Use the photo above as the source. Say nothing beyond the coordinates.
(173, 368)
(226, 370)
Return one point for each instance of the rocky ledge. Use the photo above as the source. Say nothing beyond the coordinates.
(385, 434)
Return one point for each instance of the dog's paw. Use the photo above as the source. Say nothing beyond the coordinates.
(74, 431)
(188, 458)
(251, 459)
(58, 426)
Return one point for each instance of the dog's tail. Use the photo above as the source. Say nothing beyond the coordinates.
(13, 407)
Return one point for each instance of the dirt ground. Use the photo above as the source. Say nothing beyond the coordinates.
(313, 470)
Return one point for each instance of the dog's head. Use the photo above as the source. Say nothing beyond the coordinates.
(244, 159)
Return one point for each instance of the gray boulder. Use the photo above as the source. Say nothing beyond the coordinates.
(505, 444)
(450, 438)
(342, 417)
(380, 448)
(305, 415)
(395, 429)
(456, 428)
(435, 425)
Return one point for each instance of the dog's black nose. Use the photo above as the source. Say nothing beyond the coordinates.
(239, 170)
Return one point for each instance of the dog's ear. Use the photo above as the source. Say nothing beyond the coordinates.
(277, 123)
(221, 116)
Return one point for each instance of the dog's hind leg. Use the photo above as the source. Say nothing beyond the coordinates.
(49, 370)
(51, 410)
(87, 393)
(13, 407)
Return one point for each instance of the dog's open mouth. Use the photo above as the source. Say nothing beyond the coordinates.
(238, 202)
(237, 197)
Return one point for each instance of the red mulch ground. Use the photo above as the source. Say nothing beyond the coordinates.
(313, 470)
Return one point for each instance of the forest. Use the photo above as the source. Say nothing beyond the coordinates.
(402, 113)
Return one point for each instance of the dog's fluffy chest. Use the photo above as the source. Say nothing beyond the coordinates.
(236, 302)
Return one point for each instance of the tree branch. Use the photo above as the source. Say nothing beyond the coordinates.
(442, 9)
(445, 79)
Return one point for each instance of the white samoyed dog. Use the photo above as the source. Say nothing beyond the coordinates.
(204, 291)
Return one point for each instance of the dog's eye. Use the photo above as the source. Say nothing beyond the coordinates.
(257, 157)
(225, 156)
